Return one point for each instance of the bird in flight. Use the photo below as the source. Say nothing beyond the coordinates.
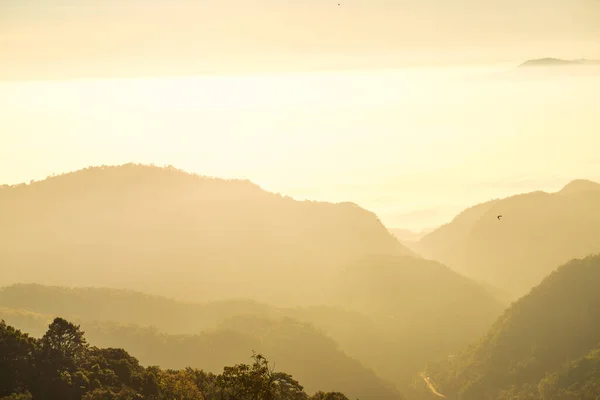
(499, 217)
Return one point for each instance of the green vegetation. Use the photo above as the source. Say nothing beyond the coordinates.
(538, 231)
(578, 380)
(394, 314)
(293, 346)
(545, 346)
(242, 252)
(323, 291)
(62, 365)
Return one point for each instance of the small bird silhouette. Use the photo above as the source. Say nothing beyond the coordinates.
(499, 217)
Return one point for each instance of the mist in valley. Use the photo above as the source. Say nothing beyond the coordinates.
(240, 207)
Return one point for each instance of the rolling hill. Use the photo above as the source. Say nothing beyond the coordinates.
(385, 330)
(306, 353)
(538, 231)
(164, 231)
(545, 346)
(127, 307)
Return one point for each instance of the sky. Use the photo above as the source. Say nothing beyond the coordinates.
(407, 108)
(65, 38)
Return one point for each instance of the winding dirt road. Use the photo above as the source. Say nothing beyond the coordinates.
(431, 386)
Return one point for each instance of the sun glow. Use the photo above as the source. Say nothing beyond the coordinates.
(390, 140)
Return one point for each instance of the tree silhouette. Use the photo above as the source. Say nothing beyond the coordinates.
(258, 381)
(64, 343)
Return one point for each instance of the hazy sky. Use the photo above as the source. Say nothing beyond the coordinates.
(50, 38)
(416, 145)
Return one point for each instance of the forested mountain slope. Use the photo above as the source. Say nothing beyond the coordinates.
(62, 364)
(424, 309)
(545, 346)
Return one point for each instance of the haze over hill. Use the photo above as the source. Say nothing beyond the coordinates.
(164, 231)
(51, 40)
(556, 62)
(425, 309)
(292, 346)
(63, 364)
(548, 69)
(391, 314)
(407, 236)
(316, 144)
(538, 231)
(398, 142)
(545, 346)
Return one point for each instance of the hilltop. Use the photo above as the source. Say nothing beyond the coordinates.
(164, 231)
(538, 231)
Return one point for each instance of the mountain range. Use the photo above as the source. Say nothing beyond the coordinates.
(537, 232)
(183, 270)
(163, 231)
(386, 312)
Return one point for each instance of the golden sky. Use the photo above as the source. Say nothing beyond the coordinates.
(415, 145)
(65, 38)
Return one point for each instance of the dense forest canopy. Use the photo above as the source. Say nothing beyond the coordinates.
(293, 346)
(63, 365)
(544, 346)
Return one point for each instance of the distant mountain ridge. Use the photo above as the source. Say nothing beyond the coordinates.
(164, 231)
(538, 231)
(408, 236)
(556, 62)
(392, 314)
